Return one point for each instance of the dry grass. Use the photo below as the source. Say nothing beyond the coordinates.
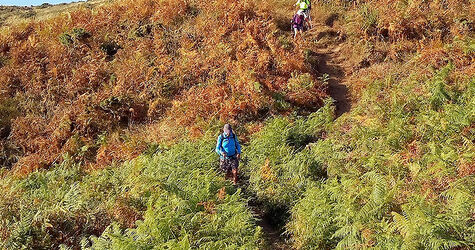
(160, 65)
(10, 15)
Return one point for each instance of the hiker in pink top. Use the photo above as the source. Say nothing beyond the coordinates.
(298, 22)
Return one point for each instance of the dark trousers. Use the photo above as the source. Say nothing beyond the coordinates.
(229, 163)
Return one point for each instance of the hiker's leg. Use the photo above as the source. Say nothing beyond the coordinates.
(221, 165)
(224, 165)
(235, 166)
(298, 32)
(228, 169)
(235, 175)
(295, 32)
(307, 18)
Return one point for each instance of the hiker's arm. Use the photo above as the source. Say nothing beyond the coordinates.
(238, 146)
(218, 146)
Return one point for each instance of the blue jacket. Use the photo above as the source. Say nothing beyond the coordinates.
(228, 144)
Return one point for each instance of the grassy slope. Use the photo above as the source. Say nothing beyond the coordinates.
(180, 201)
(10, 15)
(107, 82)
(394, 172)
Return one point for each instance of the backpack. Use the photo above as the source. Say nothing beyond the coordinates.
(297, 19)
(305, 4)
(309, 4)
(235, 142)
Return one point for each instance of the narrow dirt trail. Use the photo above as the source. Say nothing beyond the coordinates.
(337, 87)
(329, 62)
(273, 234)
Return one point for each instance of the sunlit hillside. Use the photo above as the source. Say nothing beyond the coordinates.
(359, 134)
(11, 15)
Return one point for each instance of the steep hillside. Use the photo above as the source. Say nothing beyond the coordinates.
(358, 135)
(11, 15)
(81, 83)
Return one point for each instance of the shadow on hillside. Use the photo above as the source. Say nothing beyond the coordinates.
(271, 219)
(331, 19)
(283, 23)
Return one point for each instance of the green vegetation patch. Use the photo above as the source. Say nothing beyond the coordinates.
(399, 170)
(172, 198)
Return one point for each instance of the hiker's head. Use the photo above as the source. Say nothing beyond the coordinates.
(227, 129)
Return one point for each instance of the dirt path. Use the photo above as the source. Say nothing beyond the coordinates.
(328, 61)
(331, 62)
(337, 88)
(273, 234)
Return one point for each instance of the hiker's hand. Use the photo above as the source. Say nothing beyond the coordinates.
(224, 154)
(238, 156)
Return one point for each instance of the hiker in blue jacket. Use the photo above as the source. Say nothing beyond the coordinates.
(229, 152)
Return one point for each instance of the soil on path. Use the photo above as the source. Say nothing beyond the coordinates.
(329, 62)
